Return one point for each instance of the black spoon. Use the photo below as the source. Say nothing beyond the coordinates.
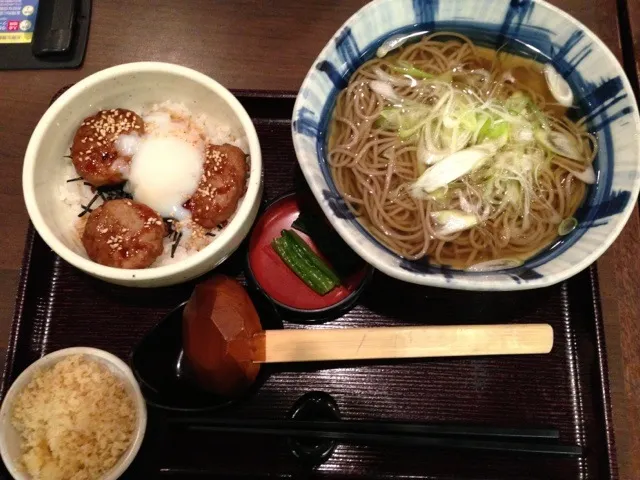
(164, 375)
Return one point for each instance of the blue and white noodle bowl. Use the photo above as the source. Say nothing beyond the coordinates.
(599, 86)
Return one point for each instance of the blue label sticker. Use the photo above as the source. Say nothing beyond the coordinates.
(17, 20)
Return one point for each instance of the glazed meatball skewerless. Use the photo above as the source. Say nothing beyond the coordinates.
(124, 234)
(223, 183)
(95, 153)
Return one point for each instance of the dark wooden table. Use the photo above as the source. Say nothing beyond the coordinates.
(269, 45)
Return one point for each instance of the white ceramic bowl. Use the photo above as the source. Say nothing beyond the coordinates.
(131, 86)
(9, 438)
(598, 82)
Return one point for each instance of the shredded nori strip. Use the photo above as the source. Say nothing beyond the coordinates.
(169, 224)
(175, 243)
(172, 233)
(66, 156)
(114, 193)
(209, 234)
(106, 193)
(87, 209)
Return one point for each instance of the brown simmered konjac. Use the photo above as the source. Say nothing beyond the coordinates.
(124, 234)
(94, 152)
(221, 186)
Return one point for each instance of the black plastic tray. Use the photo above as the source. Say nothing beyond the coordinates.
(58, 306)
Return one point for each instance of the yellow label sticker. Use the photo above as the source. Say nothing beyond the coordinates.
(16, 37)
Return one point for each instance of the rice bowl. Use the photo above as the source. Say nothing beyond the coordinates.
(53, 204)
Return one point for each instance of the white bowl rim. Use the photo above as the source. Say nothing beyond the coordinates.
(165, 271)
(140, 404)
(476, 282)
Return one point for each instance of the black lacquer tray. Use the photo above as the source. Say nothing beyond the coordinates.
(58, 306)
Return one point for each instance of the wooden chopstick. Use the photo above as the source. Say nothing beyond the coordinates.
(400, 440)
(379, 427)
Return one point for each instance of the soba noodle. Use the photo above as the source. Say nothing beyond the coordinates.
(405, 126)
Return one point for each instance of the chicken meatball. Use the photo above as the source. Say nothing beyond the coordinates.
(221, 185)
(94, 151)
(123, 234)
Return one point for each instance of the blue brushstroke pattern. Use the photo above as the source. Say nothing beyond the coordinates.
(423, 268)
(306, 124)
(615, 203)
(348, 50)
(579, 57)
(425, 12)
(426, 269)
(603, 92)
(601, 109)
(332, 72)
(559, 58)
(525, 274)
(349, 54)
(606, 120)
(517, 13)
(338, 205)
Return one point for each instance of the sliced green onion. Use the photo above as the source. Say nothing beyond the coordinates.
(385, 90)
(408, 120)
(439, 194)
(391, 44)
(406, 133)
(517, 103)
(469, 120)
(588, 175)
(558, 86)
(484, 129)
(389, 118)
(451, 168)
(452, 221)
(497, 130)
(567, 226)
(409, 69)
(558, 143)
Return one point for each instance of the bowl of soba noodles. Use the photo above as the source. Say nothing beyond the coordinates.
(470, 144)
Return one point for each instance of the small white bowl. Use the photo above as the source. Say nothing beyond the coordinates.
(10, 439)
(132, 86)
